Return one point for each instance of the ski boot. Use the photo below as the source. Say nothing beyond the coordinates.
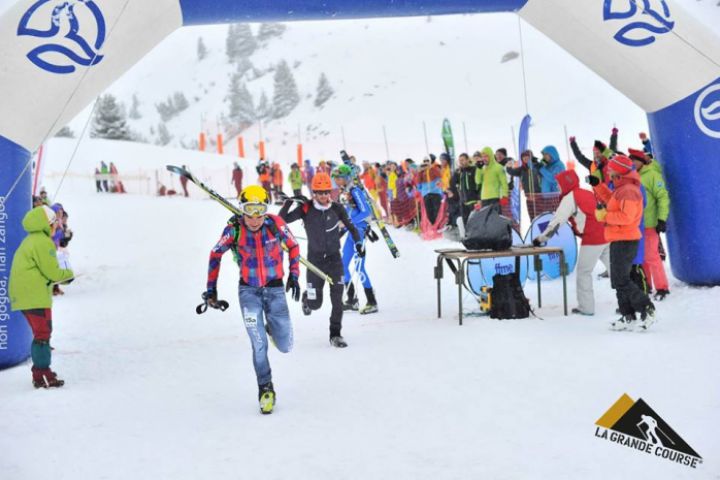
(338, 342)
(625, 322)
(305, 307)
(371, 306)
(351, 304)
(266, 396)
(660, 295)
(647, 317)
(46, 378)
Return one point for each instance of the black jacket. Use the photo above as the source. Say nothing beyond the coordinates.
(321, 226)
(463, 186)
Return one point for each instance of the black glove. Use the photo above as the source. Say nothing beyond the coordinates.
(511, 185)
(210, 297)
(535, 161)
(371, 235)
(360, 249)
(294, 287)
(592, 180)
(538, 243)
(661, 227)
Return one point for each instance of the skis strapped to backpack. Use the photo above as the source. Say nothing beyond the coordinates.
(377, 218)
(222, 201)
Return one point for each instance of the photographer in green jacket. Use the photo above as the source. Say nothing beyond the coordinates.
(34, 271)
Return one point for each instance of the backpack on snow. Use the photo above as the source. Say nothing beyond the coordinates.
(508, 298)
(486, 229)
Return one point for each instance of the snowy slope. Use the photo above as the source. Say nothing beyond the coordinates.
(156, 391)
(396, 73)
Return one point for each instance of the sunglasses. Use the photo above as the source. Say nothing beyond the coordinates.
(322, 192)
(254, 209)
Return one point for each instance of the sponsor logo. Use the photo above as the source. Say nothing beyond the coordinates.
(74, 31)
(707, 111)
(648, 19)
(635, 425)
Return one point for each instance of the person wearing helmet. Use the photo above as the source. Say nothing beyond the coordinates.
(360, 213)
(622, 218)
(34, 270)
(256, 239)
(322, 218)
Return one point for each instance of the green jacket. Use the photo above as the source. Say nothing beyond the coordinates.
(494, 180)
(658, 200)
(35, 267)
(295, 179)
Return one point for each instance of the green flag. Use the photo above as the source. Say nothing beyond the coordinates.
(448, 141)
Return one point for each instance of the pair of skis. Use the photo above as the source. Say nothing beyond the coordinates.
(222, 201)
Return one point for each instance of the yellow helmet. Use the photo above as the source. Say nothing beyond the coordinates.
(254, 201)
(253, 194)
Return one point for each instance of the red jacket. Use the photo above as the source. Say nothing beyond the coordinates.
(593, 232)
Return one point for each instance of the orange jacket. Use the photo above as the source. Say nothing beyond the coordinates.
(624, 208)
(368, 178)
(277, 176)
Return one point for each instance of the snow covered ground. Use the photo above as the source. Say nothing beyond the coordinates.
(155, 391)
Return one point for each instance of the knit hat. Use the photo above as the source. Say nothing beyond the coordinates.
(599, 145)
(620, 164)
(638, 155)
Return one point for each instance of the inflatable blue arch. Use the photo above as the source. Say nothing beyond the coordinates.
(56, 56)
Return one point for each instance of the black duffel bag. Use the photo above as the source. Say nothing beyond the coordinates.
(486, 229)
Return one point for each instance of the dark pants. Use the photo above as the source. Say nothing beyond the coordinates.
(332, 265)
(631, 298)
(432, 206)
(466, 209)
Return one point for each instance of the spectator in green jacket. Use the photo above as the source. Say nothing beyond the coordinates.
(655, 215)
(295, 179)
(34, 271)
(494, 182)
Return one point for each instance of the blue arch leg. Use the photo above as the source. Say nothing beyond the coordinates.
(15, 334)
(686, 139)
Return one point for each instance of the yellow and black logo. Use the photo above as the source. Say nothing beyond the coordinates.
(636, 425)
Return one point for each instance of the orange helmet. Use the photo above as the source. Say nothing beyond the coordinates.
(321, 182)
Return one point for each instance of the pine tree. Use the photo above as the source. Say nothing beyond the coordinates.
(134, 108)
(202, 50)
(242, 107)
(269, 30)
(264, 110)
(109, 120)
(239, 42)
(285, 96)
(65, 132)
(324, 91)
(180, 102)
(163, 137)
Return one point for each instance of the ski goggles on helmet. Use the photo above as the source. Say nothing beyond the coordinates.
(322, 192)
(254, 209)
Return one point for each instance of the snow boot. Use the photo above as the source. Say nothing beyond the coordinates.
(625, 322)
(371, 306)
(338, 342)
(266, 396)
(660, 295)
(46, 378)
(577, 311)
(647, 317)
(352, 303)
(305, 307)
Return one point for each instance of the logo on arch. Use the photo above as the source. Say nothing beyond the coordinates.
(72, 31)
(643, 20)
(707, 111)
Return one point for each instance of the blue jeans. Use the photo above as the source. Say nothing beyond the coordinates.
(260, 304)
